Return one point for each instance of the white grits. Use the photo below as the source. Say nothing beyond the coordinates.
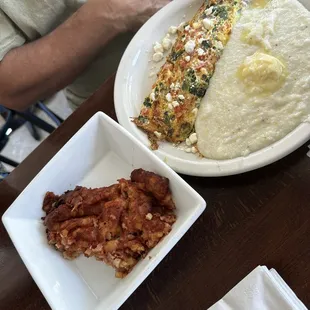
(234, 122)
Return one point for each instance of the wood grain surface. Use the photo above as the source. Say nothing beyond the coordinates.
(258, 218)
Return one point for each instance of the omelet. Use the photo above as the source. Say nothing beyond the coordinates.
(170, 111)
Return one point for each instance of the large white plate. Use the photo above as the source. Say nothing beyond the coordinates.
(99, 154)
(133, 84)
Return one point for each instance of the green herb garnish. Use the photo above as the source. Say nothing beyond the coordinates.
(147, 102)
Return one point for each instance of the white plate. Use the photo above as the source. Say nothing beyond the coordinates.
(133, 84)
(97, 155)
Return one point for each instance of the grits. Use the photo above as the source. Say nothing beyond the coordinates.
(260, 91)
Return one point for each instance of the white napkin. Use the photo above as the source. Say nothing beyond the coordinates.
(262, 289)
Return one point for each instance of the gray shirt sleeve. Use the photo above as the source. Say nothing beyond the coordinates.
(10, 36)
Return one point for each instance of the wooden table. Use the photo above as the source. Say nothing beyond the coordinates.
(258, 218)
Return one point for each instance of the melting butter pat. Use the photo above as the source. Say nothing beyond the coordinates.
(262, 73)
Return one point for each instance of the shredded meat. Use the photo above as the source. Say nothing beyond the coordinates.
(118, 224)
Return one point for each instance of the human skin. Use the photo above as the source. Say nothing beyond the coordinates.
(41, 68)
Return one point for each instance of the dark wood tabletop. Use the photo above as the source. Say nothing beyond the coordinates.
(258, 218)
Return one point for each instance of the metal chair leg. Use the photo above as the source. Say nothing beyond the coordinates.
(8, 161)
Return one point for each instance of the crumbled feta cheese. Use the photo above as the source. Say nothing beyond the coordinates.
(196, 25)
(157, 134)
(158, 48)
(209, 10)
(175, 104)
(177, 85)
(181, 97)
(167, 43)
(183, 39)
(152, 96)
(193, 138)
(200, 40)
(194, 150)
(188, 58)
(188, 150)
(208, 23)
(219, 45)
(187, 28)
(173, 30)
(181, 26)
(157, 57)
(188, 142)
(149, 216)
(190, 46)
(172, 86)
(170, 106)
(195, 111)
(201, 52)
(203, 70)
(169, 97)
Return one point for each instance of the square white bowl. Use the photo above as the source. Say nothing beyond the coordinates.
(98, 155)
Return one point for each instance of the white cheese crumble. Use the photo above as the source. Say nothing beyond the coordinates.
(149, 216)
(158, 48)
(196, 25)
(173, 30)
(201, 40)
(175, 104)
(190, 46)
(187, 58)
(208, 23)
(193, 138)
(188, 142)
(157, 134)
(219, 45)
(209, 10)
(152, 96)
(157, 57)
(200, 52)
(187, 28)
(170, 106)
(188, 150)
(169, 97)
(167, 43)
(181, 97)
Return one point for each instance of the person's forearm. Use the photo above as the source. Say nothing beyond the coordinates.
(41, 68)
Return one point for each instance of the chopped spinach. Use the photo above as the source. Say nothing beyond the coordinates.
(198, 89)
(185, 86)
(205, 78)
(206, 44)
(147, 102)
(142, 119)
(185, 129)
(175, 55)
(190, 75)
(170, 132)
(167, 118)
(220, 11)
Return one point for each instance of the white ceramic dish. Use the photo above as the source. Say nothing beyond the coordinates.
(133, 84)
(98, 154)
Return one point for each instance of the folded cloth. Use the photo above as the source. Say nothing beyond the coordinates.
(262, 289)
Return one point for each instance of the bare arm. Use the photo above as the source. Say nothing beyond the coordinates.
(41, 68)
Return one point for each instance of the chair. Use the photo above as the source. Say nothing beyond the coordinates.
(14, 120)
